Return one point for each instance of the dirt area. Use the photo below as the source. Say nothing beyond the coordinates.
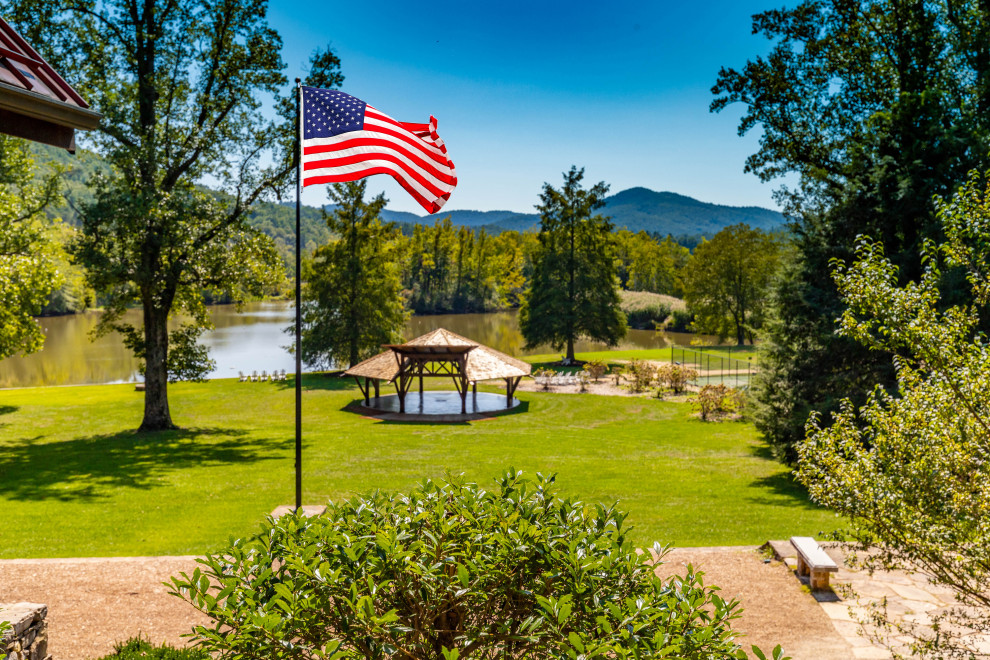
(95, 602)
(606, 386)
(777, 610)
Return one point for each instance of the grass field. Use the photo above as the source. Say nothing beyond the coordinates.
(75, 480)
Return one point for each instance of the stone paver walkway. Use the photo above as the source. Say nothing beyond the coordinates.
(911, 600)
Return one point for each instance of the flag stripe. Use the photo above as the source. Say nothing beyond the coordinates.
(428, 187)
(428, 202)
(373, 147)
(324, 145)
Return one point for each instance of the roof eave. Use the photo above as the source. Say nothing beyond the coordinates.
(36, 105)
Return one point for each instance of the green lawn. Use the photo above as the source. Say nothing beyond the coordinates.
(76, 481)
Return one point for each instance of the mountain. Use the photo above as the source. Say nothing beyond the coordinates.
(669, 213)
(635, 209)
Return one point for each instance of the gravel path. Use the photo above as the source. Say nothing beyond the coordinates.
(93, 603)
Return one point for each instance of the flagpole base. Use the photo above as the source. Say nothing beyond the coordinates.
(308, 510)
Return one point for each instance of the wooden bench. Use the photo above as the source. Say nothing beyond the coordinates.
(813, 562)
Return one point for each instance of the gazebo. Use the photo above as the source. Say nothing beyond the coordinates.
(440, 353)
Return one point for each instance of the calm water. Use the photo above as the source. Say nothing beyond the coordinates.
(249, 340)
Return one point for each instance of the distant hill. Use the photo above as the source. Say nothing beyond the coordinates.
(635, 209)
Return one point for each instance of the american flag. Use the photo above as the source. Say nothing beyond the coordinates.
(345, 139)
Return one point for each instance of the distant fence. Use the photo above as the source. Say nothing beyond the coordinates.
(711, 369)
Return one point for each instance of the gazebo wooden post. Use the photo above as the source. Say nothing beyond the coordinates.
(474, 388)
(510, 389)
(462, 368)
(377, 383)
(421, 365)
(363, 388)
(401, 384)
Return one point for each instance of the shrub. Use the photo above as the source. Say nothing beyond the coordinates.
(642, 374)
(140, 649)
(4, 627)
(647, 318)
(453, 571)
(680, 321)
(717, 399)
(596, 368)
(675, 376)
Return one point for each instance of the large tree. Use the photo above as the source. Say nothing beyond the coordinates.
(353, 297)
(908, 470)
(876, 106)
(727, 281)
(574, 290)
(180, 84)
(29, 252)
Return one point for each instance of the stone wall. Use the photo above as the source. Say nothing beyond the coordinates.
(28, 640)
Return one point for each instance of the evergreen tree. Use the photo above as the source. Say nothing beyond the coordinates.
(574, 290)
(878, 106)
(353, 302)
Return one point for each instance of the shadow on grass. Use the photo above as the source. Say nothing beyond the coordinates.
(90, 468)
(781, 484)
(6, 410)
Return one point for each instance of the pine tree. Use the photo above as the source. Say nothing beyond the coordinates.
(353, 302)
(574, 289)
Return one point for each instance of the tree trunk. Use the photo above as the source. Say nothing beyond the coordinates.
(156, 413)
(569, 359)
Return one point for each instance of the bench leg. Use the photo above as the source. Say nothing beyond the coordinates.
(802, 567)
(819, 580)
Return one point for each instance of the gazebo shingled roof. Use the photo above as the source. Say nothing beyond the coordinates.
(483, 362)
(35, 101)
(438, 353)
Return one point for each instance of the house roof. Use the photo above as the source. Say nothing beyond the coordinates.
(35, 101)
(483, 362)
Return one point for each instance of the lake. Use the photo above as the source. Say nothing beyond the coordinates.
(251, 339)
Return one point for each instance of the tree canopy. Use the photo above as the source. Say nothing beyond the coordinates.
(180, 84)
(574, 290)
(29, 251)
(727, 281)
(352, 301)
(877, 106)
(908, 469)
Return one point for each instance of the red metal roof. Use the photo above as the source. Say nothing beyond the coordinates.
(35, 101)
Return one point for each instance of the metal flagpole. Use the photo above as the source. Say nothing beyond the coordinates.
(298, 298)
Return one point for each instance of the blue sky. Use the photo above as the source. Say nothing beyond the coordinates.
(523, 90)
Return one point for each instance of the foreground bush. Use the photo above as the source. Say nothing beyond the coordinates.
(454, 571)
(140, 649)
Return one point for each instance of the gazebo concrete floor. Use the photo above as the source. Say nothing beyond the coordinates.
(442, 406)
